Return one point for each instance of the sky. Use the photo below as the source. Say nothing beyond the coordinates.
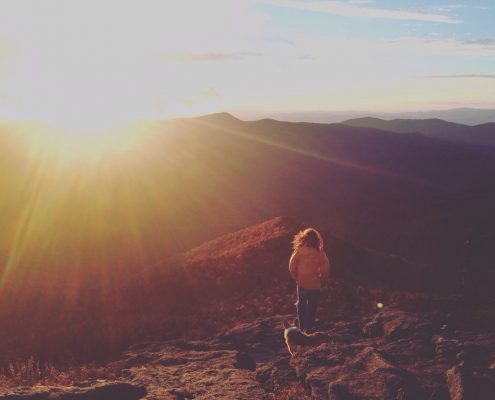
(96, 64)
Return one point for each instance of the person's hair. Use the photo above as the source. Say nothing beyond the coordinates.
(309, 237)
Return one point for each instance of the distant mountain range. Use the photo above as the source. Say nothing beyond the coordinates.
(483, 134)
(466, 116)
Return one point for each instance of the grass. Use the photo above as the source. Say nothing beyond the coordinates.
(32, 372)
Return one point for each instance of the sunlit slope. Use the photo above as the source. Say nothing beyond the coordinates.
(169, 191)
(181, 182)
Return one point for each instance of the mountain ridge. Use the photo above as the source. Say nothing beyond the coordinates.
(463, 115)
(482, 134)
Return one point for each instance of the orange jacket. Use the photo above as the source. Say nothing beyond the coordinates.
(308, 266)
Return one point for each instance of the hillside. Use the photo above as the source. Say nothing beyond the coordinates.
(190, 295)
(211, 288)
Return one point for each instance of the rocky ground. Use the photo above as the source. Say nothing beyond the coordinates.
(394, 354)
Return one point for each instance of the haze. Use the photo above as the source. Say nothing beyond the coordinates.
(87, 65)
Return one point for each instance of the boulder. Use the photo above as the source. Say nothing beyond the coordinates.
(369, 375)
(393, 323)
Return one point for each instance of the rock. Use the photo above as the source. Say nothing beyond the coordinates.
(396, 324)
(373, 328)
(338, 391)
(440, 393)
(350, 372)
(446, 347)
(200, 372)
(464, 384)
(369, 375)
(456, 384)
(117, 391)
(27, 395)
(473, 356)
(408, 360)
(243, 361)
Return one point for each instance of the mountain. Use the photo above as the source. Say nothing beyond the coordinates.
(177, 238)
(480, 134)
(98, 255)
(464, 116)
(187, 181)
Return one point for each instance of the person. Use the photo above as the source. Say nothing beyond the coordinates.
(308, 265)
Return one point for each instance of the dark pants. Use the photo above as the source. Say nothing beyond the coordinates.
(307, 300)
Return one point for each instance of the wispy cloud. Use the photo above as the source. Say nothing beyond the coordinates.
(487, 43)
(453, 7)
(360, 1)
(207, 57)
(201, 57)
(462, 76)
(359, 9)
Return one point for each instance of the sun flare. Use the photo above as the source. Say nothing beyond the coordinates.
(58, 145)
(95, 122)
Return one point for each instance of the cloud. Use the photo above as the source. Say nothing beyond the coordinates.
(357, 10)
(487, 43)
(208, 57)
(438, 46)
(453, 7)
(200, 57)
(462, 76)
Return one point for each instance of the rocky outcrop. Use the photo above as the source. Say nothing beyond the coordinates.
(409, 356)
(187, 370)
(399, 355)
(392, 355)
